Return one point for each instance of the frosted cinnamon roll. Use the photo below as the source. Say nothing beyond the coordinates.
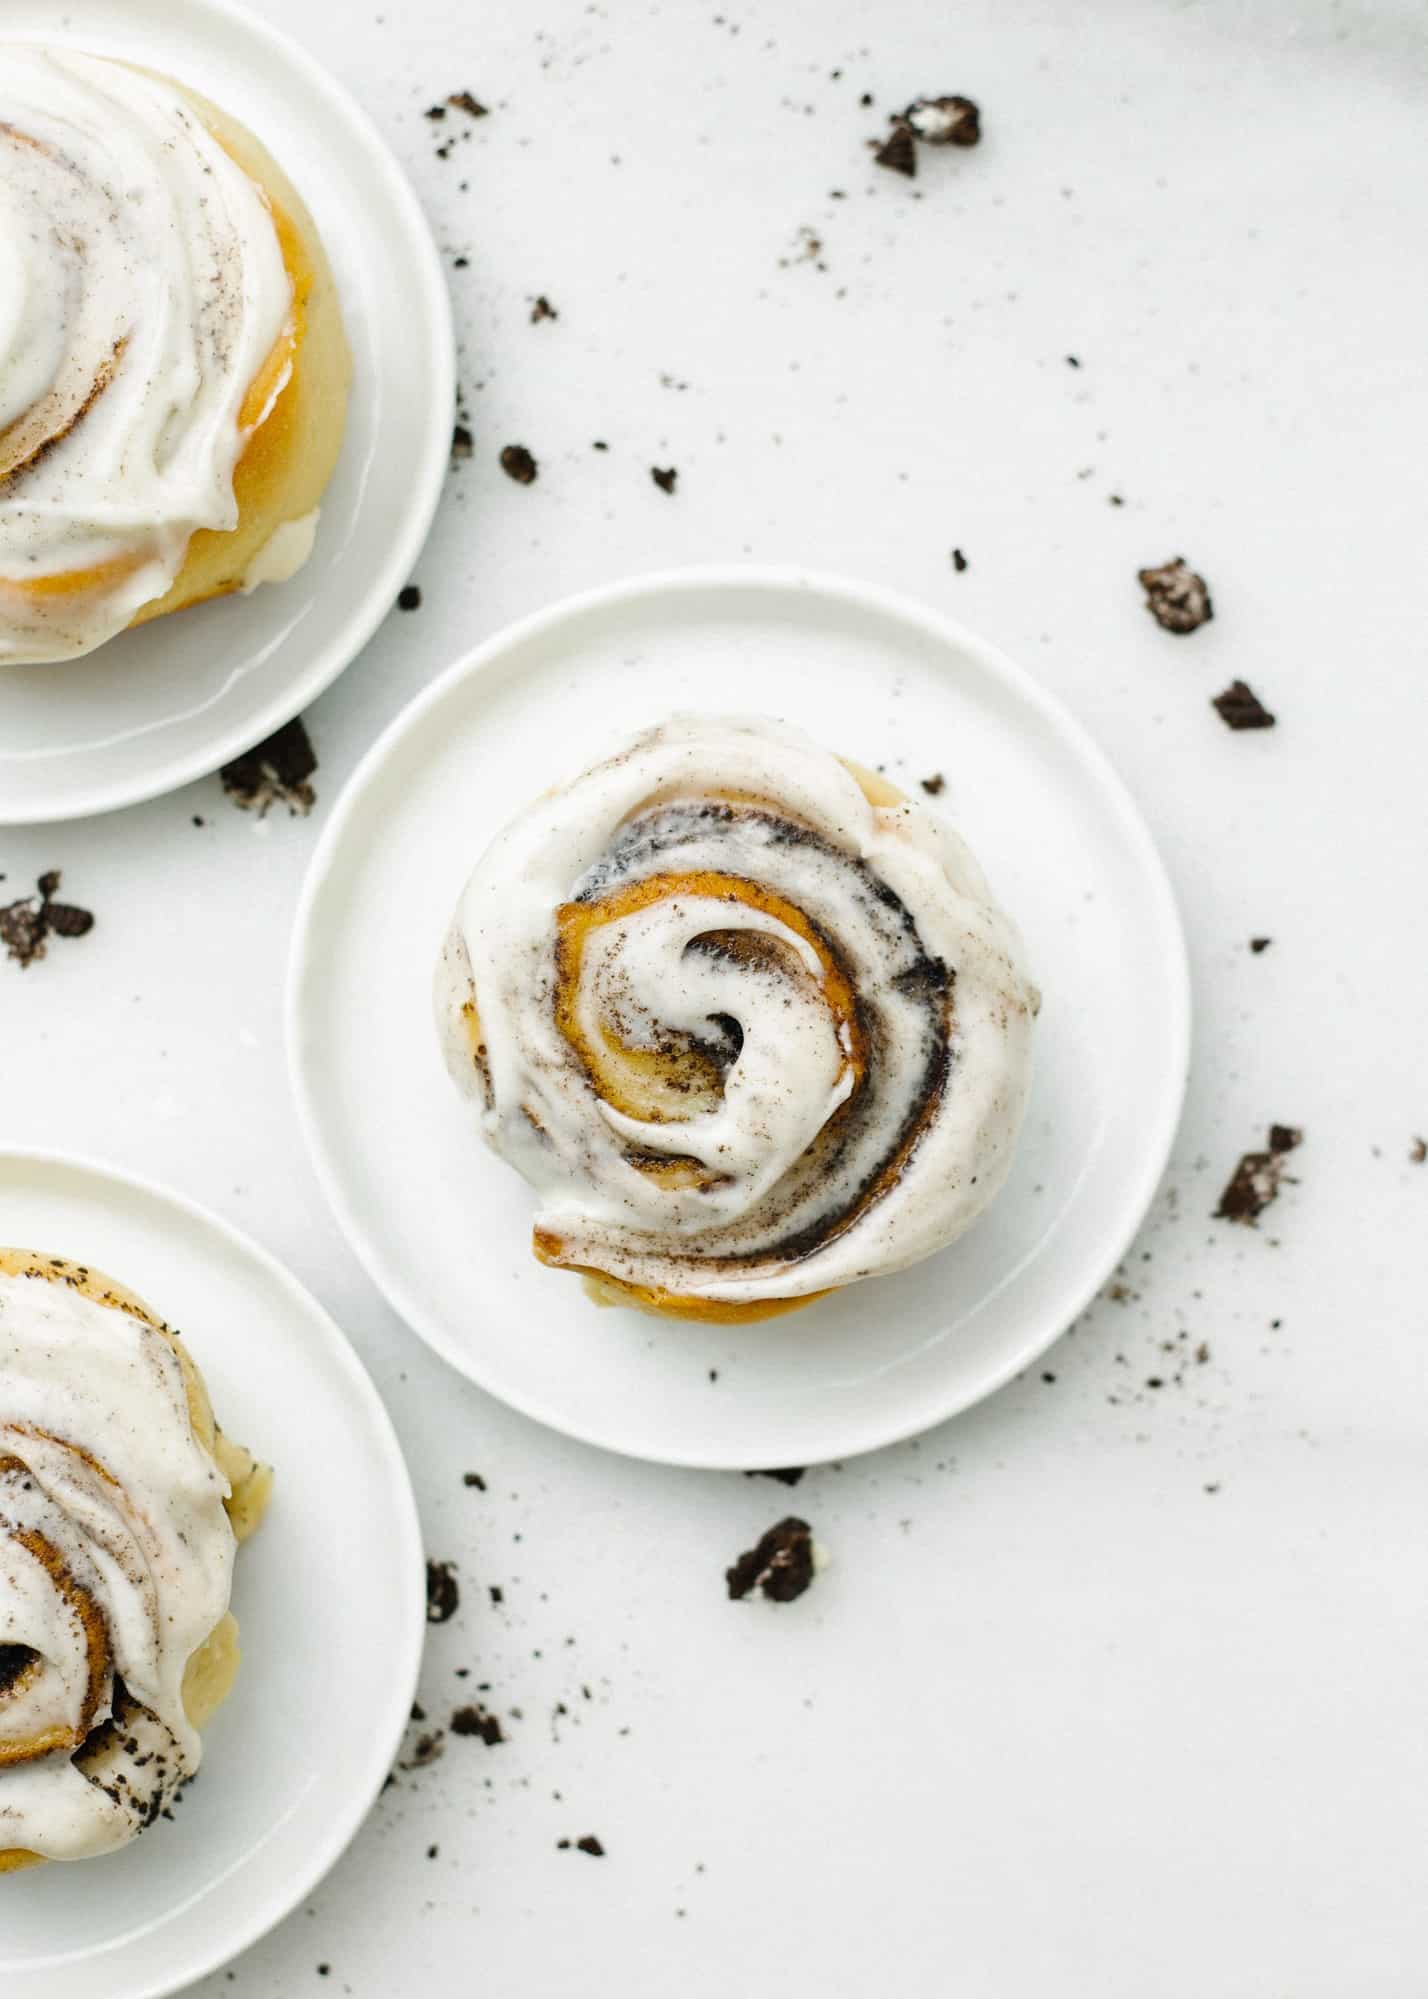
(745, 1017)
(121, 1505)
(173, 369)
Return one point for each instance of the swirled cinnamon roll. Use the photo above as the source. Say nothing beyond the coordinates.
(173, 370)
(121, 1504)
(745, 1017)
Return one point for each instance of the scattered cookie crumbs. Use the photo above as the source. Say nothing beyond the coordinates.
(959, 561)
(443, 1594)
(898, 152)
(1255, 1181)
(1239, 707)
(474, 1478)
(1176, 597)
(1418, 1152)
(25, 924)
(944, 121)
(935, 785)
(409, 598)
(785, 1474)
(475, 1720)
(780, 1564)
(460, 263)
(1258, 944)
(462, 442)
(462, 100)
(518, 464)
(664, 477)
(276, 772)
(543, 309)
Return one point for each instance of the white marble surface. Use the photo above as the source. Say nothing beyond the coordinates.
(1110, 1689)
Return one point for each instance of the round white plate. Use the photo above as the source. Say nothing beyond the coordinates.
(165, 704)
(444, 1227)
(330, 1594)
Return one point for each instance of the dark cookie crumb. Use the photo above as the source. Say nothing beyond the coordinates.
(24, 925)
(277, 770)
(436, 113)
(959, 561)
(462, 100)
(1418, 1151)
(495, 1592)
(476, 1720)
(785, 1474)
(599, 445)
(442, 1593)
(664, 477)
(935, 785)
(1255, 1181)
(1240, 708)
(898, 152)
(426, 1750)
(474, 1478)
(462, 442)
(781, 1564)
(409, 598)
(518, 464)
(587, 1844)
(1258, 944)
(944, 121)
(543, 309)
(1176, 597)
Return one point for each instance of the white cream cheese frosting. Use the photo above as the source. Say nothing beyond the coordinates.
(142, 288)
(747, 1034)
(116, 1562)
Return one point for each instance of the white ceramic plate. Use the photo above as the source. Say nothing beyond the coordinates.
(160, 706)
(443, 1227)
(330, 1595)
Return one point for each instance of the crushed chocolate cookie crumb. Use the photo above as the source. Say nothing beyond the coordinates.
(409, 598)
(495, 1592)
(436, 113)
(898, 152)
(474, 1478)
(589, 1844)
(24, 925)
(664, 478)
(425, 1751)
(462, 100)
(276, 771)
(1258, 944)
(543, 309)
(518, 464)
(442, 1593)
(935, 785)
(1240, 708)
(959, 561)
(1176, 597)
(785, 1474)
(462, 442)
(944, 121)
(1255, 1181)
(1418, 1152)
(781, 1564)
(475, 1720)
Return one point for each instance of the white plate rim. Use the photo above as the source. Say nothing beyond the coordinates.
(1160, 1131)
(382, 1745)
(412, 523)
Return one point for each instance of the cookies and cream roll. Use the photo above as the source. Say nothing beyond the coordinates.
(121, 1505)
(173, 370)
(745, 1017)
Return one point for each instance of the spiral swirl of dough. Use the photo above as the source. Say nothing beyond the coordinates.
(116, 1561)
(748, 1021)
(145, 332)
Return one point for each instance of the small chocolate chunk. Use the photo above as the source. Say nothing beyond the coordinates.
(277, 770)
(475, 1720)
(1418, 1151)
(462, 100)
(518, 464)
(898, 152)
(935, 785)
(442, 1592)
(462, 442)
(664, 477)
(1176, 597)
(1258, 944)
(1255, 1181)
(959, 561)
(944, 121)
(409, 598)
(1240, 708)
(781, 1564)
(543, 309)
